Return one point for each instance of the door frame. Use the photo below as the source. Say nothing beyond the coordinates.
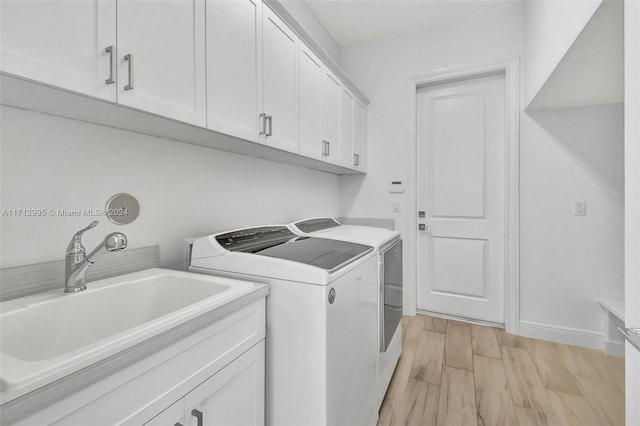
(510, 69)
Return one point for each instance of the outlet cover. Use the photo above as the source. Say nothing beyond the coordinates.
(580, 208)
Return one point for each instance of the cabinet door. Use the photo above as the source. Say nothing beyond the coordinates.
(234, 70)
(331, 116)
(311, 71)
(233, 396)
(62, 43)
(161, 58)
(171, 416)
(346, 128)
(359, 135)
(279, 70)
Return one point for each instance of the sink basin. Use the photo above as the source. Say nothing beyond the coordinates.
(47, 336)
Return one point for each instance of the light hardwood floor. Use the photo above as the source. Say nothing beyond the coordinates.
(452, 373)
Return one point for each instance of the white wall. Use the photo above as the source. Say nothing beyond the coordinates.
(383, 70)
(305, 17)
(567, 262)
(551, 27)
(184, 190)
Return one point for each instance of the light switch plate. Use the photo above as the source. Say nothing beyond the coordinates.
(396, 206)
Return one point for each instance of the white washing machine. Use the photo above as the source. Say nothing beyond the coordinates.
(388, 245)
(321, 320)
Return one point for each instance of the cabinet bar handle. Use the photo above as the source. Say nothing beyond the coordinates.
(324, 148)
(328, 148)
(129, 57)
(270, 118)
(356, 159)
(263, 116)
(199, 416)
(110, 80)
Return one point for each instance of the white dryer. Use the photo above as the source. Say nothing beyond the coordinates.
(388, 245)
(321, 320)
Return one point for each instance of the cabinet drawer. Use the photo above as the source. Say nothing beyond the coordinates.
(143, 389)
(232, 396)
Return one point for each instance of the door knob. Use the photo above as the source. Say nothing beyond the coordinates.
(423, 227)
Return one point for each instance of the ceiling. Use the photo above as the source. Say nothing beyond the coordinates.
(357, 21)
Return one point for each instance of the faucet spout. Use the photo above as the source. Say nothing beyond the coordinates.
(115, 241)
(78, 262)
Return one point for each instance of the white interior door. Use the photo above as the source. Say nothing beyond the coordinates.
(161, 52)
(461, 192)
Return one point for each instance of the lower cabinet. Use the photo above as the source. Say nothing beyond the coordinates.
(233, 396)
(214, 376)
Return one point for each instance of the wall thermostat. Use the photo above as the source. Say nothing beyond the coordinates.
(396, 186)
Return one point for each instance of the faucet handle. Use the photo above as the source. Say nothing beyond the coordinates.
(92, 225)
(75, 245)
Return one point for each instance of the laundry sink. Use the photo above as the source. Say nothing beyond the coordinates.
(47, 336)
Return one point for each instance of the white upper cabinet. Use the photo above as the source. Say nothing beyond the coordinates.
(359, 135)
(280, 83)
(352, 131)
(310, 108)
(231, 66)
(234, 67)
(68, 44)
(161, 58)
(346, 127)
(331, 117)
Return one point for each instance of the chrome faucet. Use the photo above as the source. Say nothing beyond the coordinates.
(78, 261)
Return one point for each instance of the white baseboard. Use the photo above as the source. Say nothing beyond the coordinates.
(614, 348)
(572, 336)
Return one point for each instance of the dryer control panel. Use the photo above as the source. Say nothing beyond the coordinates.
(318, 224)
(255, 239)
